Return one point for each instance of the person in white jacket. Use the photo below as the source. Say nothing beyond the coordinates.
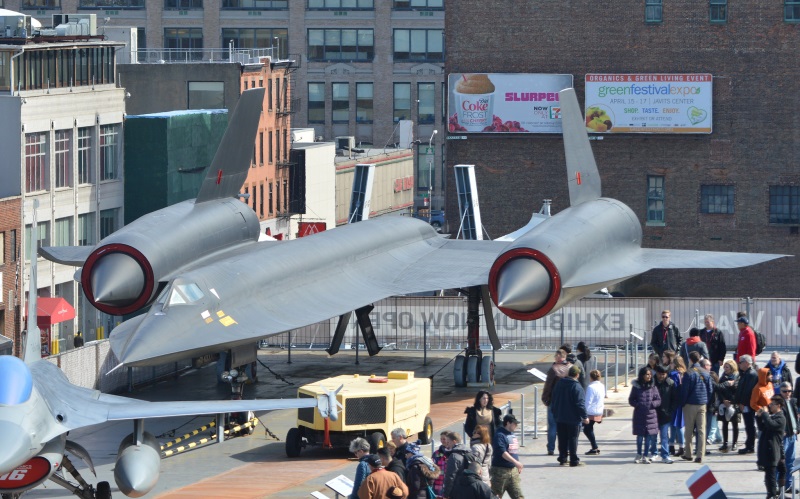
(595, 396)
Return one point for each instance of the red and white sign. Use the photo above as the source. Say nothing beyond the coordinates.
(703, 485)
(30, 473)
(308, 228)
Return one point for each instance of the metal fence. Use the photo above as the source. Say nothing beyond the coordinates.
(440, 323)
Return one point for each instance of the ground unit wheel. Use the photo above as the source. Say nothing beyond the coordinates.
(294, 442)
(487, 370)
(426, 435)
(103, 491)
(460, 371)
(473, 368)
(249, 416)
(376, 441)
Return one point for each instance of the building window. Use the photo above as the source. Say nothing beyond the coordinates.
(86, 230)
(2, 249)
(183, 4)
(63, 142)
(185, 39)
(256, 4)
(418, 45)
(418, 4)
(35, 162)
(278, 94)
(42, 235)
(653, 11)
(269, 147)
(277, 146)
(425, 168)
(341, 103)
(260, 148)
(340, 4)
(270, 199)
(716, 199)
(285, 144)
(426, 93)
(85, 156)
(364, 102)
(655, 200)
(341, 45)
(261, 200)
(41, 4)
(402, 101)
(718, 11)
(206, 95)
(13, 243)
(278, 197)
(255, 200)
(63, 232)
(316, 103)
(113, 4)
(109, 152)
(784, 204)
(791, 11)
(256, 38)
(109, 220)
(285, 195)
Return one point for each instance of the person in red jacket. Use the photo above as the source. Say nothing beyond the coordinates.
(747, 339)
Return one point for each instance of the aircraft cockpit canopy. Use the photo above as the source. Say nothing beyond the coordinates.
(17, 382)
(180, 293)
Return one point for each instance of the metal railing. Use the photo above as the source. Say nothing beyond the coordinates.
(201, 55)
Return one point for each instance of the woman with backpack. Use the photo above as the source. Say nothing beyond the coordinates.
(482, 450)
(421, 472)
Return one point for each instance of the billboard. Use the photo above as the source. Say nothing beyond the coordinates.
(505, 102)
(648, 103)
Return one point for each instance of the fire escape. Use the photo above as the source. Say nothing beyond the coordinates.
(288, 105)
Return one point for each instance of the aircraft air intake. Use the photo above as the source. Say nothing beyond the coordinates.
(524, 283)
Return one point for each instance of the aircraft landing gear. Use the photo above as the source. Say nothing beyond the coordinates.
(237, 379)
(473, 368)
(476, 369)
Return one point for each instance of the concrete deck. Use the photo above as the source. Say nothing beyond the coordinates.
(257, 467)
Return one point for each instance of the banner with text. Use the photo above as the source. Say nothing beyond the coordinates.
(505, 103)
(648, 103)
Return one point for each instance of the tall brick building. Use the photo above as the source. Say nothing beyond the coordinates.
(750, 156)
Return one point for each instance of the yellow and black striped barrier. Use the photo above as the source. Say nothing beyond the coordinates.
(193, 445)
(180, 439)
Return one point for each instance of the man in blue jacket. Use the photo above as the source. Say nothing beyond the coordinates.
(696, 391)
(569, 411)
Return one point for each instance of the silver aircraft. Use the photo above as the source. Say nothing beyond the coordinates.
(39, 406)
(212, 286)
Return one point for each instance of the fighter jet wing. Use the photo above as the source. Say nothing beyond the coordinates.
(76, 407)
(641, 260)
(67, 255)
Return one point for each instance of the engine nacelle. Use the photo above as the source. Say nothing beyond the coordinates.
(553, 264)
(137, 467)
(35, 471)
(122, 274)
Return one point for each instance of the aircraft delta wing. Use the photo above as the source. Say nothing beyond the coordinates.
(213, 287)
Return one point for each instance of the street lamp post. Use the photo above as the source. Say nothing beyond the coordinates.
(430, 177)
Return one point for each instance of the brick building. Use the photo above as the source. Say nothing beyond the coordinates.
(9, 260)
(750, 156)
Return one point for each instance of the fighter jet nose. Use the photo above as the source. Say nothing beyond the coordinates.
(16, 445)
(523, 285)
(117, 280)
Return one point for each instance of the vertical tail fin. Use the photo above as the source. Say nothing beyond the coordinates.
(582, 174)
(33, 339)
(229, 168)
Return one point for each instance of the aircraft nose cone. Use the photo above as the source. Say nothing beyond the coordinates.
(523, 285)
(16, 447)
(117, 280)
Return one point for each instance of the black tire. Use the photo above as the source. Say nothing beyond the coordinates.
(473, 369)
(460, 371)
(294, 443)
(376, 441)
(426, 435)
(103, 491)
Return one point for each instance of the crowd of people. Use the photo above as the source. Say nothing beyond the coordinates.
(688, 396)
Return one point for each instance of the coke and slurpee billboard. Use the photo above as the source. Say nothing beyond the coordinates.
(505, 102)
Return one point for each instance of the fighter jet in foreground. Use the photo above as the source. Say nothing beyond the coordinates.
(218, 288)
(39, 406)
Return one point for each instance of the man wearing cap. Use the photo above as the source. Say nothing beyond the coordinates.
(792, 429)
(569, 409)
(747, 339)
(506, 467)
(379, 482)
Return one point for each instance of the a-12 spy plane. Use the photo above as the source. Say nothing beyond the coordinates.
(212, 286)
(39, 406)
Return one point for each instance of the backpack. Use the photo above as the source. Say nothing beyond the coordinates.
(761, 342)
(469, 459)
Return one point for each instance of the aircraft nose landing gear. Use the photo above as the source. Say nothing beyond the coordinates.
(473, 368)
